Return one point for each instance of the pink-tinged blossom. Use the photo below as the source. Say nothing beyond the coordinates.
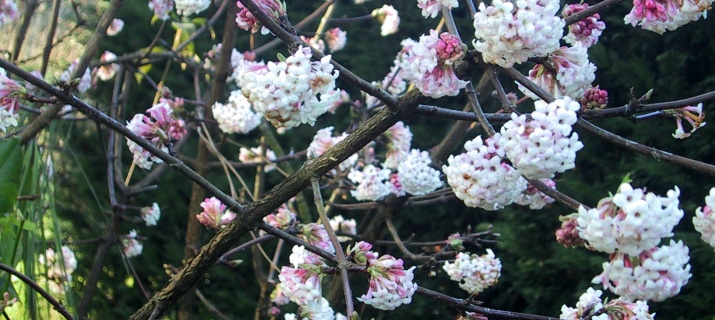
(324, 140)
(534, 198)
(315, 43)
(431, 8)
(277, 296)
(189, 7)
(390, 284)
(393, 83)
(340, 224)
(315, 234)
(159, 128)
(416, 175)
(130, 245)
(398, 146)
(704, 220)
(283, 218)
(372, 183)
(660, 16)
(481, 177)
(693, 114)
(238, 60)
(594, 98)
(336, 39)
(574, 74)
(545, 145)
(248, 22)
(361, 254)
(291, 92)
(318, 309)
(586, 31)
(236, 115)
(161, 8)
(59, 268)
(107, 71)
(509, 33)
(256, 155)
(301, 283)
(630, 221)
(591, 306)
(655, 274)
(151, 215)
(397, 189)
(214, 214)
(568, 233)
(431, 63)
(115, 28)
(10, 94)
(8, 11)
(390, 19)
(474, 273)
(84, 83)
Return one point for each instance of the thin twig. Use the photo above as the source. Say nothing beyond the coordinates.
(56, 304)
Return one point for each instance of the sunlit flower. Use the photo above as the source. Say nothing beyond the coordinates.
(214, 214)
(116, 27)
(389, 18)
(107, 71)
(161, 8)
(336, 39)
(236, 115)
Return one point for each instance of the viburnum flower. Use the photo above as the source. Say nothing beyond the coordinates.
(693, 114)
(481, 177)
(704, 220)
(431, 61)
(116, 27)
(246, 20)
(315, 234)
(236, 115)
(508, 32)
(340, 224)
(283, 218)
(372, 183)
(361, 254)
(568, 233)
(318, 309)
(161, 8)
(393, 83)
(390, 19)
(324, 140)
(130, 245)
(59, 268)
(474, 273)
(390, 284)
(214, 215)
(534, 198)
(107, 71)
(301, 283)
(594, 98)
(151, 215)
(336, 39)
(160, 128)
(629, 221)
(277, 296)
(545, 145)
(10, 94)
(293, 91)
(8, 11)
(189, 7)
(660, 16)
(590, 306)
(574, 74)
(655, 274)
(586, 31)
(416, 175)
(256, 155)
(84, 83)
(431, 8)
(238, 60)
(399, 141)
(315, 43)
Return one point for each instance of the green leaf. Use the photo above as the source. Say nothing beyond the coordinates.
(281, 57)
(10, 173)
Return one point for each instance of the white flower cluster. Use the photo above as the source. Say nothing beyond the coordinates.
(318, 309)
(534, 198)
(340, 224)
(236, 115)
(474, 273)
(390, 284)
(84, 83)
(509, 32)
(541, 147)
(7, 119)
(481, 178)
(704, 219)
(655, 275)
(301, 283)
(668, 15)
(372, 183)
(431, 8)
(389, 17)
(189, 7)
(324, 140)
(416, 175)
(293, 91)
(574, 74)
(400, 140)
(590, 306)
(630, 222)
(131, 246)
(254, 155)
(151, 215)
(431, 61)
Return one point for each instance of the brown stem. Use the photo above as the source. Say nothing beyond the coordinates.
(47, 50)
(30, 7)
(56, 304)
